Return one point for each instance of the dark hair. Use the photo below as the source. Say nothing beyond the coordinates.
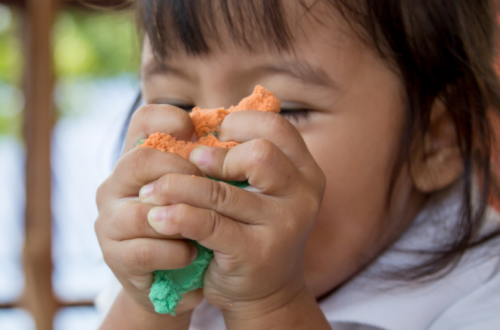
(442, 49)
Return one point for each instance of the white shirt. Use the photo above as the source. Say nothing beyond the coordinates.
(468, 298)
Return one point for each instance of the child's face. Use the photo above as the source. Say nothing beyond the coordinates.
(353, 132)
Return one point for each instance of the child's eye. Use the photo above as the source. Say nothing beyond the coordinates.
(295, 114)
(294, 111)
(289, 110)
(185, 107)
(179, 104)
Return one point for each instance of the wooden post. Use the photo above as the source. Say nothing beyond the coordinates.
(38, 121)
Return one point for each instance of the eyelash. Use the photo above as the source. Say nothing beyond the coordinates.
(186, 108)
(295, 114)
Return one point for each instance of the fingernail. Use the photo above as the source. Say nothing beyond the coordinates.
(194, 253)
(200, 155)
(156, 214)
(146, 191)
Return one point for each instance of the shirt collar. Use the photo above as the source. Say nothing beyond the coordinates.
(394, 305)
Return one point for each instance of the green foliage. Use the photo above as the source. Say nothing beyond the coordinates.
(10, 126)
(11, 61)
(86, 44)
(10, 47)
(100, 44)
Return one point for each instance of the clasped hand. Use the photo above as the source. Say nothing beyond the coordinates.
(154, 199)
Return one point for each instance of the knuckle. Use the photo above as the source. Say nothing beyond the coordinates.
(180, 256)
(103, 224)
(177, 211)
(136, 216)
(214, 224)
(321, 182)
(311, 204)
(101, 193)
(219, 195)
(263, 151)
(140, 158)
(144, 112)
(132, 162)
(98, 226)
(317, 181)
(109, 257)
(142, 256)
(189, 168)
(276, 122)
(227, 122)
(142, 118)
(164, 184)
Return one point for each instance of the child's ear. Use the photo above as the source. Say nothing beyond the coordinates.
(437, 163)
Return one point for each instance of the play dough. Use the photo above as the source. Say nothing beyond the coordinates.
(170, 285)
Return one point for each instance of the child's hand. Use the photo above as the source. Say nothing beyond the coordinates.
(258, 238)
(130, 246)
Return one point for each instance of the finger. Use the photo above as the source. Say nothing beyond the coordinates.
(233, 202)
(244, 126)
(128, 219)
(211, 229)
(259, 161)
(154, 118)
(190, 300)
(140, 167)
(142, 256)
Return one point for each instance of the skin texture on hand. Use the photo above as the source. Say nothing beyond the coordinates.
(258, 237)
(131, 248)
(170, 285)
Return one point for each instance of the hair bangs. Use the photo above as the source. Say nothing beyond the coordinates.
(195, 26)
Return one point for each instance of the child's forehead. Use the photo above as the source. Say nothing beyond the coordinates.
(252, 26)
(189, 66)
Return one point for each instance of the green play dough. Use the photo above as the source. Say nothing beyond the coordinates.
(239, 184)
(169, 285)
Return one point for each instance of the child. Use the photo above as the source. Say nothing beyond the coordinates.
(363, 210)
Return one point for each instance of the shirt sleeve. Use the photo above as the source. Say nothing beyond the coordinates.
(352, 326)
(478, 310)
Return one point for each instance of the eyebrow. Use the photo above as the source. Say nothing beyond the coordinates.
(297, 69)
(159, 68)
(302, 70)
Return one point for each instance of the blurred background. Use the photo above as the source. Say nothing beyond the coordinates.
(91, 76)
(95, 59)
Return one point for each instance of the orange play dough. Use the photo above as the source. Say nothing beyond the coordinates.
(207, 124)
